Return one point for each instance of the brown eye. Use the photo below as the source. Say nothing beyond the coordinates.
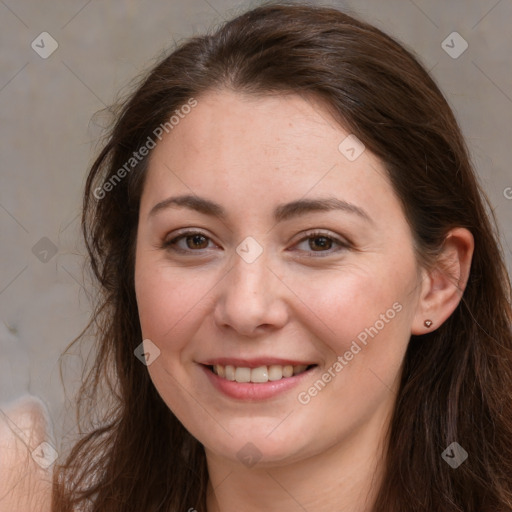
(194, 241)
(320, 243)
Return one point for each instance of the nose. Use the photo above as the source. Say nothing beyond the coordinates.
(251, 298)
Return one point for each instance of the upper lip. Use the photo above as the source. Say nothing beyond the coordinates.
(255, 362)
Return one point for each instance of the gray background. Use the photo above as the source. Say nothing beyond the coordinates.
(48, 141)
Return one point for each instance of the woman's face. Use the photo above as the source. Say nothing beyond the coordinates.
(289, 250)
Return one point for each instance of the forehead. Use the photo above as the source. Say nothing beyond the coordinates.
(267, 149)
(233, 125)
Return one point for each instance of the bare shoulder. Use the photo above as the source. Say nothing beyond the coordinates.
(27, 455)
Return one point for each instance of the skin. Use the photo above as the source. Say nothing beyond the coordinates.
(25, 482)
(250, 154)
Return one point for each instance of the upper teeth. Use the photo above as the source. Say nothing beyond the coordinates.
(260, 374)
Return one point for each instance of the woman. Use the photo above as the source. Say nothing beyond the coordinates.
(304, 302)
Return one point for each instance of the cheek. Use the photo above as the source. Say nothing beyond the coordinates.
(170, 302)
(351, 301)
(365, 315)
(367, 326)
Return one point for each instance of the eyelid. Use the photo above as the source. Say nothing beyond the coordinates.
(170, 243)
(341, 242)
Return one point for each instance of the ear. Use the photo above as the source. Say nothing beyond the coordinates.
(442, 286)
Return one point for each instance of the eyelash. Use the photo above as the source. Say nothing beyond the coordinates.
(171, 244)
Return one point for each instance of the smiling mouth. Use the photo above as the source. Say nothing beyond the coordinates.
(258, 375)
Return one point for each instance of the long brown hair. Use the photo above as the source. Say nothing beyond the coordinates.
(457, 380)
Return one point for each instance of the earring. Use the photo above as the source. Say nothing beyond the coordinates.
(427, 323)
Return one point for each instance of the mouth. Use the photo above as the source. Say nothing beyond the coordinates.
(260, 374)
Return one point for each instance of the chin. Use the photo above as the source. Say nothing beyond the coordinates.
(258, 448)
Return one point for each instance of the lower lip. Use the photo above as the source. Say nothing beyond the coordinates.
(254, 391)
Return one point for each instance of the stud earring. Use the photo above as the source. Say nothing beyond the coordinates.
(427, 323)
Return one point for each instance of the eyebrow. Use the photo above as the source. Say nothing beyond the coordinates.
(281, 213)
